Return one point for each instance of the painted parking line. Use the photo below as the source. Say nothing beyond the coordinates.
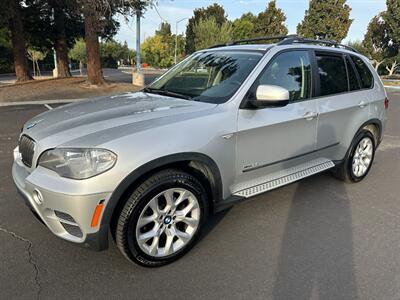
(48, 107)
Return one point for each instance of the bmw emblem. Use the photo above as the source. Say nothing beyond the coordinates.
(167, 220)
(31, 125)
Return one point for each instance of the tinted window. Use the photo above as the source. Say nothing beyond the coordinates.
(353, 81)
(290, 70)
(332, 74)
(363, 71)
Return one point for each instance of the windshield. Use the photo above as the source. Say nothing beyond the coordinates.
(207, 76)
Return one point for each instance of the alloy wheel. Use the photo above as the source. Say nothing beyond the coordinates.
(168, 222)
(362, 157)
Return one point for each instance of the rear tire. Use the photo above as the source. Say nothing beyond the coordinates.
(162, 219)
(359, 158)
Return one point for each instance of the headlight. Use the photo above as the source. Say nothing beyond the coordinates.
(78, 163)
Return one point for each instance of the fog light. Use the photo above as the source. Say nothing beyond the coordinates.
(37, 197)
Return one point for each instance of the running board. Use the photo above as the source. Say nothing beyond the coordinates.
(281, 178)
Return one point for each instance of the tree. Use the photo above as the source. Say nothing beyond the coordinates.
(180, 50)
(60, 41)
(208, 32)
(393, 64)
(243, 27)
(165, 30)
(18, 40)
(112, 52)
(6, 57)
(35, 56)
(215, 10)
(377, 42)
(359, 46)
(93, 14)
(271, 22)
(97, 15)
(326, 19)
(78, 52)
(156, 52)
(392, 19)
(53, 25)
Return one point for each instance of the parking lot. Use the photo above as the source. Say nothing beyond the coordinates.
(316, 239)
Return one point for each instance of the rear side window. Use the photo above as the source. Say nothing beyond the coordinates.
(332, 74)
(364, 72)
(290, 70)
(353, 81)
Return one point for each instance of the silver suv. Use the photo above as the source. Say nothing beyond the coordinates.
(225, 124)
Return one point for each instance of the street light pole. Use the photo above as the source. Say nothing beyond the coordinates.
(176, 37)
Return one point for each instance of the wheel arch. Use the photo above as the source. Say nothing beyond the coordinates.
(202, 165)
(375, 127)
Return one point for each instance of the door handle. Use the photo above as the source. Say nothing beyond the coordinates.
(362, 104)
(310, 115)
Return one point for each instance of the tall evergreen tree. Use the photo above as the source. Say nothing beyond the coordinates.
(271, 21)
(326, 19)
(376, 40)
(392, 19)
(209, 33)
(165, 30)
(215, 11)
(11, 10)
(243, 27)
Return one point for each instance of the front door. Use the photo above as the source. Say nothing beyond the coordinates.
(270, 139)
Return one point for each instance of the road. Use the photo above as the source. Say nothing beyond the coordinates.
(315, 239)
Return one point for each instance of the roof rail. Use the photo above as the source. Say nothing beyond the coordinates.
(287, 40)
(300, 40)
(257, 39)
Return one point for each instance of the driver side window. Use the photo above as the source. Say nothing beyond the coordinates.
(290, 70)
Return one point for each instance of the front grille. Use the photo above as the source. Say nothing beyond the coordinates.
(26, 148)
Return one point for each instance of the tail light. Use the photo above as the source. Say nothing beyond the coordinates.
(386, 103)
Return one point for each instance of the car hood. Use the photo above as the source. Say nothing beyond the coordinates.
(75, 123)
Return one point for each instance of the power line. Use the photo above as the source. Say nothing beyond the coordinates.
(158, 13)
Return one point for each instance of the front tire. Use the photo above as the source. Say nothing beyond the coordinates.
(359, 158)
(162, 219)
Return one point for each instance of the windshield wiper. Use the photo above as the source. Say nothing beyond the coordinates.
(166, 93)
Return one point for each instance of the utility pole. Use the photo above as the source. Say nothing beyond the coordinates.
(137, 77)
(138, 68)
(176, 37)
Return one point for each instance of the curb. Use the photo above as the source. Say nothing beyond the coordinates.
(41, 102)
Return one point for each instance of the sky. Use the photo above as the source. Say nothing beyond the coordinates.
(173, 10)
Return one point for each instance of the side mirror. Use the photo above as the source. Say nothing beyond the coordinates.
(271, 96)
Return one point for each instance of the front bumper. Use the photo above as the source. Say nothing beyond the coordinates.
(67, 215)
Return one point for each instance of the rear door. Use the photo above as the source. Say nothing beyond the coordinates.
(341, 102)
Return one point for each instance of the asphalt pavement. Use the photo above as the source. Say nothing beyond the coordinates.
(315, 239)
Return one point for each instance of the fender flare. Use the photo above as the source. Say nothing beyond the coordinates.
(376, 122)
(216, 183)
(99, 240)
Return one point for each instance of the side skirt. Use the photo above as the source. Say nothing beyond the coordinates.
(275, 180)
